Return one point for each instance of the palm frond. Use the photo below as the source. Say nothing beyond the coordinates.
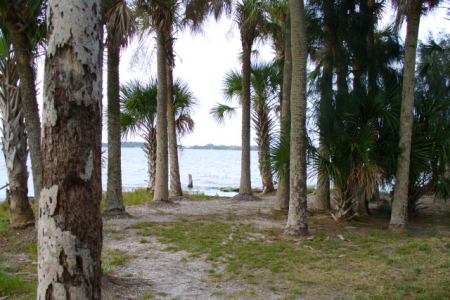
(221, 111)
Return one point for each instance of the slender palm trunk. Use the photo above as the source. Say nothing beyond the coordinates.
(245, 188)
(114, 199)
(24, 60)
(162, 161)
(297, 223)
(322, 195)
(282, 197)
(175, 183)
(70, 223)
(399, 215)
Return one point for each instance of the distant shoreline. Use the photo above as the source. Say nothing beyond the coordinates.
(205, 147)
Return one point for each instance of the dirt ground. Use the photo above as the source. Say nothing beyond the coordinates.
(150, 272)
(171, 278)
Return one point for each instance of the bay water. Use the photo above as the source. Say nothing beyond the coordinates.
(210, 169)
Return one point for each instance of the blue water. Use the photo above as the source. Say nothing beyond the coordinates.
(210, 169)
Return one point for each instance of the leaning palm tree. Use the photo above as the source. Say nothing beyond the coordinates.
(25, 23)
(120, 26)
(412, 11)
(265, 84)
(139, 116)
(14, 138)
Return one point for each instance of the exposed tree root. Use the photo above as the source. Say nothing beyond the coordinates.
(117, 213)
(159, 203)
(123, 288)
(245, 197)
(292, 233)
(179, 198)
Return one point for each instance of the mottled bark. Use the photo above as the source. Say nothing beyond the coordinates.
(297, 223)
(114, 199)
(162, 161)
(261, 120)
(399, 215)
(14, 148)
(25, 67)
(70, 224)
(282, 197)
(175, 182)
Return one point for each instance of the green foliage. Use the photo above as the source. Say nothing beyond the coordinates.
(199, 196)
(137, 196)
(4, 216)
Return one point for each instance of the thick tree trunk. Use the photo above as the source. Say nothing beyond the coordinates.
(15, 146)
(245, 188)
(114, 199)
(162, 161)
(175, 182)
(24, 59)
(282, 197)
(399, 215)
(297, 223)
(70, 224)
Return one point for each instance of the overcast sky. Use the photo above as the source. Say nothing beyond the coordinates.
(202, 61)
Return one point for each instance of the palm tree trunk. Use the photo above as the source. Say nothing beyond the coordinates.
(245, 188)
(261, 121)
(149, 148)
(162, 161)
(297, 223)
(282, 197)
(322, 195)
(70, 223)
(114, 199)
(15, 150)
(175, 183)
(24, 59)
(399, 215)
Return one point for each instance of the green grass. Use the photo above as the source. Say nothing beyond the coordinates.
(375, 264)
(16, 287)
(199, 196)
(114, 258)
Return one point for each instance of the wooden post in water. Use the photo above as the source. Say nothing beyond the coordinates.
(190, 181)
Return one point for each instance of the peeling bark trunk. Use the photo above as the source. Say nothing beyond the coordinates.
(70, 224)
(399, 215)
(282, 197)
(297, 223)
(261, 121)
(114, 199)
(24, 60)
(149, 148)
(162, 160)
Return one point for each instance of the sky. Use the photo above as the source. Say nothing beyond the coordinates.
(202, 61)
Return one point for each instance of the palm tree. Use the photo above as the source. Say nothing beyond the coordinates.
(139, 115)
(159, 15)
(120, 25)
(24, 22)
(70, 222)
(14, 138)
(412, 10)
(265, 82)
(297, 223)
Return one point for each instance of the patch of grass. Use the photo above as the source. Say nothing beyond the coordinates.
(4, 217)
(199, 196)
(16, 287)
(369, 264)
(136, 196)
(113, 258)
(310, 190)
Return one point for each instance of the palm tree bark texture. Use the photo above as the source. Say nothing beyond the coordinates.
(297, 223)
(70, 224)
(399, 215)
